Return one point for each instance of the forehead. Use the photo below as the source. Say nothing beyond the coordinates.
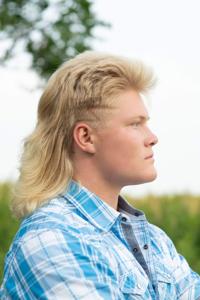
(129, 105)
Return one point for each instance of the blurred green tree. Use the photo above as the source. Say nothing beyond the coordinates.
(50, 31)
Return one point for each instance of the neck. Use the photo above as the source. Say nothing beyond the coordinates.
(102, 188)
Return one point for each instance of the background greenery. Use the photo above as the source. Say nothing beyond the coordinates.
(178, 215)
(8, 225)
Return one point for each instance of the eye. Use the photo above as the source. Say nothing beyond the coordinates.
(135, 124)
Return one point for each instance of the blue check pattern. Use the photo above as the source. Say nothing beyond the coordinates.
(78, 247)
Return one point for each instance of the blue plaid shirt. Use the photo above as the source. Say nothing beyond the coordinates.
(78, 247)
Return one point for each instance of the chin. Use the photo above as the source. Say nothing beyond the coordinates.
(146, 178)
(151, 177)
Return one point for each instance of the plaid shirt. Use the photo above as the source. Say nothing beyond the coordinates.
(78, 247)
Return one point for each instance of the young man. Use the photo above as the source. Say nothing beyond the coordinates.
(79, 239)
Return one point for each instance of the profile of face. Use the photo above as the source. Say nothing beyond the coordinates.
(123, 146)
(119, 151)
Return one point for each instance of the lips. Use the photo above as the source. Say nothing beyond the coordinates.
(150, 156)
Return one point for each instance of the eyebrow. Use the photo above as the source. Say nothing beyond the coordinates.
(141, 118)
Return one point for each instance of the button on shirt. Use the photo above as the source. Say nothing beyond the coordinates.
(78, 247)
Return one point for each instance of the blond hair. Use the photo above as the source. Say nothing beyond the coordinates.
(80, 85)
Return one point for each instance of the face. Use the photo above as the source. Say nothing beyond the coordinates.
(124, 144)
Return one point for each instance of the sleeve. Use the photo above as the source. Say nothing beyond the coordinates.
(59, 265)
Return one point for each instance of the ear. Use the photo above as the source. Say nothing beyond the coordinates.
(84, 137)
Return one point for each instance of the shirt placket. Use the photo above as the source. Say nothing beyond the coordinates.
(136, 234)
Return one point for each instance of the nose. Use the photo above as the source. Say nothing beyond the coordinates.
(151, 139)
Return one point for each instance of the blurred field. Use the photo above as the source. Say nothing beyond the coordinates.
(8, 225)
(178, 215)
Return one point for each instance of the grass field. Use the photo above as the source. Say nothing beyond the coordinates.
(178, 215)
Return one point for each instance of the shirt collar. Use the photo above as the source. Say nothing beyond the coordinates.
(126, 208)
(97, 211)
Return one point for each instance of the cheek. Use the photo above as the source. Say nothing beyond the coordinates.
(121, 148)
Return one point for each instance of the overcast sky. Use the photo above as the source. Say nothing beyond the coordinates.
(165, 35)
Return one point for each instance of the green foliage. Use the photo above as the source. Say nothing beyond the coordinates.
(50, 31)
(8, 225)
(178, 215)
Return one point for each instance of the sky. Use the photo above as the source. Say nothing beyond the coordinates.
(165, 36)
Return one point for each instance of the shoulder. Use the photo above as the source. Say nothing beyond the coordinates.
(54, 228)
(55, 216)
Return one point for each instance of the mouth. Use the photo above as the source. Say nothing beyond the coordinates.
(150, 156)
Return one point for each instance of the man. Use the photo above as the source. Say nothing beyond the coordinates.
(79, 239)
